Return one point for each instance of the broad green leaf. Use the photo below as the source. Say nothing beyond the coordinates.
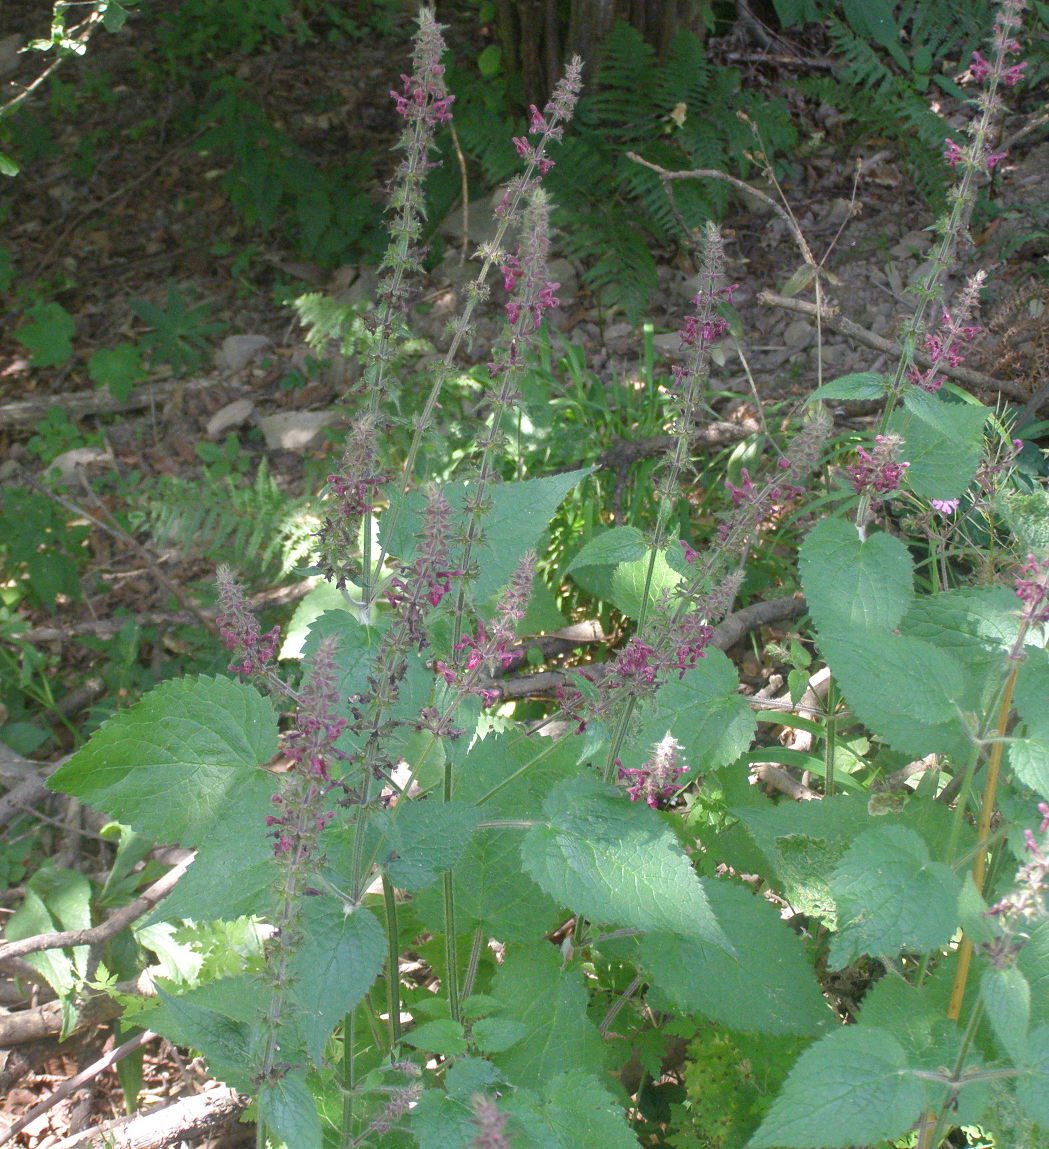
(118, 368)
(48, 335)
(851, 584)
(233, 873)
(943, 442)
(551, 1003)
(355, 648)
(8, 166)
(616, 861)
(340, 957)
(1026, 513)
(497, 1034)
(1029, 749)
(706, 979)
(470, 1075)
(904, 689)
(218, 1019)
(705, 713)
(1033, 963)
(181, 766)
(850, 1088)
(443, 1036)
(628, 583)
(618, 545)
(289, 1111)
(861, 385)
(1033, 1089)
(324, 598)
(894, 1006)
(518, 515)
(1006, 997)
(573, 1110)
(891, 897)
(492, 893)
(442, 1121)
(425, 838)
(974, 627)
(169, 765)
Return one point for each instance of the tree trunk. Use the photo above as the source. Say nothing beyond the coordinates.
(537, 41)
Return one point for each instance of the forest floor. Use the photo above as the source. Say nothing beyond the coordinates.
(119, 205)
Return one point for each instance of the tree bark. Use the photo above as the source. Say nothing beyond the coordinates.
(537, 42)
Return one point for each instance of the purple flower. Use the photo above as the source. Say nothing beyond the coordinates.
(878, 472)
(944, 506)
(1033, 590)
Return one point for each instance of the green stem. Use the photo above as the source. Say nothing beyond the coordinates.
(349, 1072)
(393, 953)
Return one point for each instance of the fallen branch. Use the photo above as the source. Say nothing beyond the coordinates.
(202, 1115)
(72, 1084)
(22, 412)
(829, 317)
(61, 939)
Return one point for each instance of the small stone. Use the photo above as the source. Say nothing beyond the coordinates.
(69, 461)
(232, 415)
(797, 334)
(295, 430)
(237, 351)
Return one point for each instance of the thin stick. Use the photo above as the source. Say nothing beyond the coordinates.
(109, 928)
(74, 1083)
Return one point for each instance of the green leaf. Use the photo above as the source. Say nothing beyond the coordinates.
(218, 1020)
(1006, 996)
(705, 713)
(850, 1088)
(518, 515)
(891, 897)
(974, 627)
(490, 61)
(551, 1003)
(443, 1036)
(1026, 514)
(497, 1034)
(861, 385)
(181, 765)
(340, 957)
(709, 980)
(289, 1111)
(442, 1121)
(615, 861)
(168, 765)
(1029, 751)
(118, 368)
(8, 166)
(623, 584)
(906, 690)
(853, 584)
(574, 1110)
(1033, 963)
(943, 442)
(48, 335)
(1033, 1089)
(618, 545)
(425, 838)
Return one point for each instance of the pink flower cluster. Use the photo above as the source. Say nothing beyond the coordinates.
(657, 780)
(944, 344)
(878, 472)
(240, 630)
(1033, 590)
(424, 97)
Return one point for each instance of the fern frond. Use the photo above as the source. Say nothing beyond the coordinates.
(257, 528)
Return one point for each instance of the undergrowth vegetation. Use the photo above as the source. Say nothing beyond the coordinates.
(442, 875)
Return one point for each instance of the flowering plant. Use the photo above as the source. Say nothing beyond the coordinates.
(475, 922)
